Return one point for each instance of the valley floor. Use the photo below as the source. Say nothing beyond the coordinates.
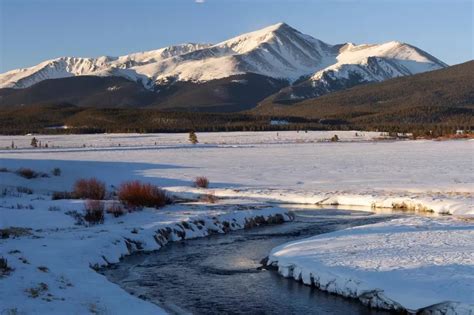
(250, 172)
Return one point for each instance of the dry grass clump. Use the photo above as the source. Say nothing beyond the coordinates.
(91, 188)
(27, 173)
(209, 198)
(135, 194)
(94, 212)
(116, 209)
(58, 195)
(14, 232)
(201, 182)
(4, 267)
(38, 290)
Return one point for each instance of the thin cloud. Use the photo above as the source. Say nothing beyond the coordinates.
(199, 1)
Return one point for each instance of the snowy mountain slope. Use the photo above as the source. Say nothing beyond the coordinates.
(64, 67)
(277, 51)
(363, 64)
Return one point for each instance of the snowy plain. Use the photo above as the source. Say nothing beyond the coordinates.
(252, 173)
(181, 139)
(283, 166)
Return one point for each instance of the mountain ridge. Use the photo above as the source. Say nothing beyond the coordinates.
(278, 52)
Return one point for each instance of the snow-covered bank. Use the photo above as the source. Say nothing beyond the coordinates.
(459, 204)
(52, 258)
(410, 263)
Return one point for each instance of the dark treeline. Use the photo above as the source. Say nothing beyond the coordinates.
(50, 119)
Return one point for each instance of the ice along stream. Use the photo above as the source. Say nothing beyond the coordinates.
(220, 274)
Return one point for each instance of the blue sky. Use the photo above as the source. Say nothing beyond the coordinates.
(35, 30)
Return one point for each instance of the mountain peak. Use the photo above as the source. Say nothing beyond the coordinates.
(276, 33)
(277, 26)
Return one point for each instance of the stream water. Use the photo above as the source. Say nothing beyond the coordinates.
(219, 274)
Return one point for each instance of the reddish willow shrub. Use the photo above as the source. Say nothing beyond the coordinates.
(91, 188)
(135, 194)
(201, 182)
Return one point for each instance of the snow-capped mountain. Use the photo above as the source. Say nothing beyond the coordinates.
(278, 52)
(64, 67)
(358, 64)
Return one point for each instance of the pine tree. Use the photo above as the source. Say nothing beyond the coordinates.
(34, 142)
(192, 137)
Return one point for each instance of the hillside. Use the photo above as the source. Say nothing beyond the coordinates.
(441, 96)
(232, 94)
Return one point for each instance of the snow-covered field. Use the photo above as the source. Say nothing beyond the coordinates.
(251, 172)
(181, 139)
(292, 166)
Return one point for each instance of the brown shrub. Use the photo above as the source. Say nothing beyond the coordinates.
(27, 173)
(94, 211)
(136, 194)
(91, 188)
(201, 182)
(116, 209)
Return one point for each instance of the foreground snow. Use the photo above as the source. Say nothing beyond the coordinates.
(53, 259)
(410, 263)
